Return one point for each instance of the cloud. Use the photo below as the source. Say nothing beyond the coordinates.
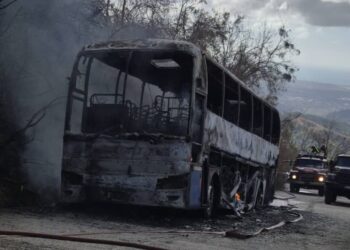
(238, 5)
(326, 13)
(323, 13)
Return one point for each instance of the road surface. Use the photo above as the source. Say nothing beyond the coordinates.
(324, 226)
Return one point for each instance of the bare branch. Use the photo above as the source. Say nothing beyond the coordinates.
(5, 5)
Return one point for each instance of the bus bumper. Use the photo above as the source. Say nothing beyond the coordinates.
(148, 191)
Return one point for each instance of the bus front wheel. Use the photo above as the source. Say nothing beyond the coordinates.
(213, 199)
(209, 209)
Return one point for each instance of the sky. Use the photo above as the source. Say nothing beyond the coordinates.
(319, 28)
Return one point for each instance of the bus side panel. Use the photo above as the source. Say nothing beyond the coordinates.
(232, 139)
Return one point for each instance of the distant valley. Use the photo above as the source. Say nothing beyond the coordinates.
(320, 99)
(323, 107)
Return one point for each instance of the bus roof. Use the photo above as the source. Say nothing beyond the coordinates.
(164, 44)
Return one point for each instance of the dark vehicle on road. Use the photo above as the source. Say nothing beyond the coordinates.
(159, 123)
(338, 179)
(309, 171)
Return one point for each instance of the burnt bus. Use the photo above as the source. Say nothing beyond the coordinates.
(159, 123)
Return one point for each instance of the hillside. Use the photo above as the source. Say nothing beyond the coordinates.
(309, 130)
(325, 110)
(342, 115)
(320, 99)
(338, 124)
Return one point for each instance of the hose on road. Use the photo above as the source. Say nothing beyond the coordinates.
(230, 234)
(79, 239)
(241, 235)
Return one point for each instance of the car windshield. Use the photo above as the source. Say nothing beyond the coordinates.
(343, 162)
(312, 163)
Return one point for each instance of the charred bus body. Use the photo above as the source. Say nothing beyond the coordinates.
(157, 122)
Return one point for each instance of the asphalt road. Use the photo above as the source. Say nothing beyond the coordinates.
(324, 226)
(308, 200)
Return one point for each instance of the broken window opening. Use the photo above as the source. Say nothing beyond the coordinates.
(258, 117)
(276, 126)
(215, 88)
(245, 118)
(138, 91)
(267, 123)
(232, 100)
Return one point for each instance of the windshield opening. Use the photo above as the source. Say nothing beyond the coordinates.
(311, 163)
(343, 162)
(136, 91)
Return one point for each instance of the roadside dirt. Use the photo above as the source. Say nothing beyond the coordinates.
(175, 229)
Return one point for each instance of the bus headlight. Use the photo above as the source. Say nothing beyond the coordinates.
(321, 178)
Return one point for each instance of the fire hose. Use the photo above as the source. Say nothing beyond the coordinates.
(241, 235)
(79, 239)
(230, 234)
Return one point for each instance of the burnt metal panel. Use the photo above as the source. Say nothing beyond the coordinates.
(126, 171)
(230, 138)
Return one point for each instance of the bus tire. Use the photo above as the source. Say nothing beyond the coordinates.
(270, 188)
(261, 197)
(213, 198)
(209, 210)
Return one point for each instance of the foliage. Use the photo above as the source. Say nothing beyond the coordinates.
(288, 149)
(260, 58)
